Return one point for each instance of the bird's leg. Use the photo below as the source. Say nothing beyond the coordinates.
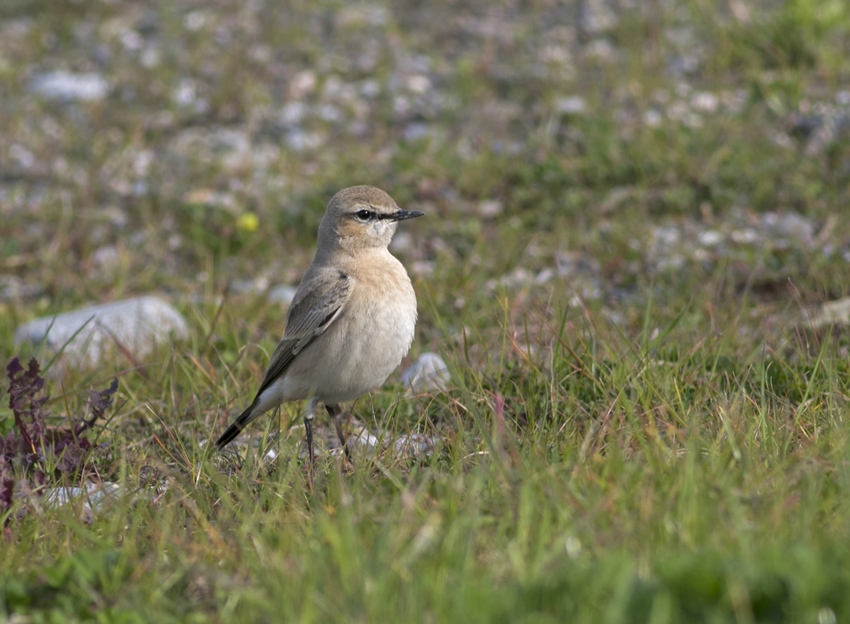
(308, 425)
(336, 413)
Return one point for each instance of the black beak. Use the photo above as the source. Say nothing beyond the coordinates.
(401, 215)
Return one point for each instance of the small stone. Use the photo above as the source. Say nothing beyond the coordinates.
(133, 325)
(362, 440)
(710, 238)
(418, 84)
(544, 276)
(282, 295)
(401, 242)
(67, 86)
(329, 113)
(427, 374)
(744, 236)
(597, 17)
(370, 88)
(95, 494)
(573, 105)
(422, 267)
(362, 14)
(653, 118)
(830, 313)
(705, 102)
(601, 50)
(299, 141)
(789, 225)
(414, 445)
(303, 84)
(489, 208)
(416, 131)
(292, 114)
(667, 236)
(106, 259)
(574, 265)
(13, 288)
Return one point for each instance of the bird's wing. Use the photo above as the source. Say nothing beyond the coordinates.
(313, 310)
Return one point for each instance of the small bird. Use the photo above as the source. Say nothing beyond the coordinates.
(352, 318)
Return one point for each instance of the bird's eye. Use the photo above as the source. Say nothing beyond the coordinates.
(365, 215)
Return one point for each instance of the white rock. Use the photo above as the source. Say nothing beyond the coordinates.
(745, 236)
(418, 84)
(414, 445)
(67, 86)
(282, 294)
(303, 83)
(402, 242)
(653, 118)
(573, 105)
(416, 131)
(13, 289)
(710, 238)
(428, 373)
(137, 325)
(830, 313)
(362, 440)
(292, 114)
(705, 102)
(489, 208)
(94, 493)
(298, 140)
(789, 225)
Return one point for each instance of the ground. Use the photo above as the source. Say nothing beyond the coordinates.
(635, 215)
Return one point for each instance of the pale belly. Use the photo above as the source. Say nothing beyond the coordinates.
(353, 356)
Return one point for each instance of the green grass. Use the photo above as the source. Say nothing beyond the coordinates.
(632, 441)
(611, 482)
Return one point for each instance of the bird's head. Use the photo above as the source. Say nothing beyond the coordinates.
(361, 217)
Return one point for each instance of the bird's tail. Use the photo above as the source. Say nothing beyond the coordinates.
(238, 425)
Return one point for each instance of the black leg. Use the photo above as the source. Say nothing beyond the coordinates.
(336, 413)
(308, 425)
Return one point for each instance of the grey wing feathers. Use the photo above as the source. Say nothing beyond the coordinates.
(312, 311)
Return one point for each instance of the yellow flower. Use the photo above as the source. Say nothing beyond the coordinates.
(247, 222)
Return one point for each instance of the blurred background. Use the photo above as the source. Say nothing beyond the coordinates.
(584, 153)
(635, 266)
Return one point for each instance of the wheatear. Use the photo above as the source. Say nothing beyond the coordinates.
(352, 319)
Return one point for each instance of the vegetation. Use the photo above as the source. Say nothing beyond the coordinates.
(632, 213)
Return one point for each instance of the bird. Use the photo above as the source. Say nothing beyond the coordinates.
(352, 318)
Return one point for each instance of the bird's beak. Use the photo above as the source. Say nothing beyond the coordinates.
(401, 215)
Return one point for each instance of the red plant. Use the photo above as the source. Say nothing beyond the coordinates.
(31, 446)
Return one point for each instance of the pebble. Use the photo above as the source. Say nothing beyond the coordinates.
(362, 440)
(830, 313)
(69, 87)
(427, 374)
(282, 295)
(573, 105)
(93, 495)
(137, 325)
(710, 238)
(489, 208)
(414, 445)
(13, 288)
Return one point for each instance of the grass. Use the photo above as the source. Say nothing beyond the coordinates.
(635, 430)
(604, 484)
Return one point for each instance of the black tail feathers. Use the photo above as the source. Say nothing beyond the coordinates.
(236, 428)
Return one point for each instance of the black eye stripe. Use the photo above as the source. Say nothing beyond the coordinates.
(370, 215)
